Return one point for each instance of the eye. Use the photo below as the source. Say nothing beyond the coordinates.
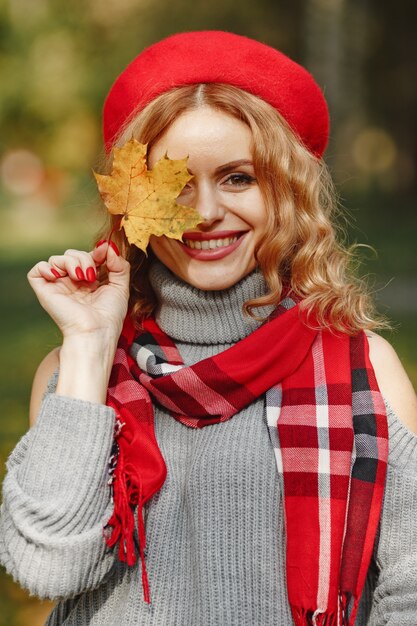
(239, 180)
(186, 189)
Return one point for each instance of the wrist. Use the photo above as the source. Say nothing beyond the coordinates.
(93, 341)
(85, 367)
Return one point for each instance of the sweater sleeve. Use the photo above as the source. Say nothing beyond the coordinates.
(395, 595)
(56, 500)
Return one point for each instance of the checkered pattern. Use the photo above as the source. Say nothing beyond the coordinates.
(328, 428)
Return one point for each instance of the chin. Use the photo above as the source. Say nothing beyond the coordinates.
(214, 283)
(206, 276)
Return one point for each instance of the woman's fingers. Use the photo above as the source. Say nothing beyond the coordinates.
(77, 264)
(78, 303)
(45, 270)
(81, 266)
(118, 268)
(84, 268)
(100, 254)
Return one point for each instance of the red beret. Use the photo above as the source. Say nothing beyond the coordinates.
(221, 57)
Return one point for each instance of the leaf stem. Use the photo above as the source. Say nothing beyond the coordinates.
(116, 226)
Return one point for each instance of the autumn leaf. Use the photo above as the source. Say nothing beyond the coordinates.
(146, 199)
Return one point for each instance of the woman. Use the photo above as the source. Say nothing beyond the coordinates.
(264, 501)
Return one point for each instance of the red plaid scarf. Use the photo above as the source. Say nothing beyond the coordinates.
(327, 424)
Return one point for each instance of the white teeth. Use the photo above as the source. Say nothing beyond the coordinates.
(210, 244)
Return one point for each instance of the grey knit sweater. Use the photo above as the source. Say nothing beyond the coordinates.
(215, 530)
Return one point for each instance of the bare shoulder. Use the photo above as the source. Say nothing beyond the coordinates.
(44, 372)
(392, 379)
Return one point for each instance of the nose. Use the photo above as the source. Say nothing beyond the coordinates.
(208, 205)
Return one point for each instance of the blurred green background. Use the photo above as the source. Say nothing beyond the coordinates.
(57, 61)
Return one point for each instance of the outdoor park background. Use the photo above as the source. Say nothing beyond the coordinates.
(58, 59)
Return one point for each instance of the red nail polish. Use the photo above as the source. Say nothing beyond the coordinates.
(114, 248)
(91, 275)
(79, 273)
(100, 243)
(55, 273)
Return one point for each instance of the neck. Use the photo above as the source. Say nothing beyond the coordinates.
(192, 315)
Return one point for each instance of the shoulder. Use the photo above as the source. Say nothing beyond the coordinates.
(392, 379)
(44, 372)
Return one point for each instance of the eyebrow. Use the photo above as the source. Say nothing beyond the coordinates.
(227, 167)
(232, 165)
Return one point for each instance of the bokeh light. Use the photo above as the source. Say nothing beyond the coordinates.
(22, 172)
(374, 151)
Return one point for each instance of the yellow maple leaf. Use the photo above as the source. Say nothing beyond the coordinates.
(146, 199)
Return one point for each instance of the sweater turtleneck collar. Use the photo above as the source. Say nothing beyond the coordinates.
(191, 315)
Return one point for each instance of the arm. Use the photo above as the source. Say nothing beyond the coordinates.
(393, 381)
(56, 497)
(44, 373)
(395, 595)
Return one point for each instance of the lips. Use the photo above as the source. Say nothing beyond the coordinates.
(211, 246)
(196, 235)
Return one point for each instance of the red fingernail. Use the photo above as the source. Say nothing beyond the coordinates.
(100, 243)
(114, 248)
(79, 273)
(91, 275)
(55, 273)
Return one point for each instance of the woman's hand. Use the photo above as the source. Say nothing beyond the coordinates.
(90, 315)
(67, 288)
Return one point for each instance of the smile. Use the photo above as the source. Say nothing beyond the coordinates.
(211, 246)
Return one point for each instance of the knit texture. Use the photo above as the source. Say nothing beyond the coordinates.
(215, 548)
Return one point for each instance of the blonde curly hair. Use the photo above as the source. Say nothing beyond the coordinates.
(302, 250)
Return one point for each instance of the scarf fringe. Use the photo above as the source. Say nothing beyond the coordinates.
(142, 548)
(126, 495)
(305, 617)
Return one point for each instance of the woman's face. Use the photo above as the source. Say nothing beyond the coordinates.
(221, 250)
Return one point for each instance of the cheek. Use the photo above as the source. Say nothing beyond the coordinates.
(256, 214)
(158, 245)
(164, 249)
